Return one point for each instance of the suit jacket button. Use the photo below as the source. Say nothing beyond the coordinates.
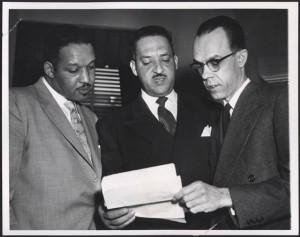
(251, 178)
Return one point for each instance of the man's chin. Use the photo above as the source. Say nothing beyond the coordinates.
(81, 97)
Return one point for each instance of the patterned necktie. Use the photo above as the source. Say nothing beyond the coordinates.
(77, 126)
(165, 117)
(226, 118)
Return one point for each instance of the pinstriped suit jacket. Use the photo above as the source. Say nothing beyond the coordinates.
(52, 183)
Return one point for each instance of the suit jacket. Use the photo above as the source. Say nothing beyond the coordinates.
(53, 185)
(132, 138)
(254, 160)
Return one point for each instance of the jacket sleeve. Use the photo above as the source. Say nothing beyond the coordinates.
(108, 140)
(269, 200)
(16, 147)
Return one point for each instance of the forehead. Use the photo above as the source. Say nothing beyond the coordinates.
(151, 44)
(212, 44)
(73, 52)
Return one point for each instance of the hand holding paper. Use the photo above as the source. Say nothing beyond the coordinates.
(116, 218)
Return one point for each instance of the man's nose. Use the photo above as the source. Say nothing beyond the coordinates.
(158, 67)
(85, 76)
(206, 74)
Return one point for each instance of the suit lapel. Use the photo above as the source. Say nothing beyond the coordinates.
(215, 147)
(145, 124)
(244, 118)
(58, 118)
(189, 128)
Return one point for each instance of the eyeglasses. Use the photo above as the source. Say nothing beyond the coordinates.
(213, 64)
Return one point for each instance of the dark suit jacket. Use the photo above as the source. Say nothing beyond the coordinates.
(133, 138)
(53, 185)
(254, 160)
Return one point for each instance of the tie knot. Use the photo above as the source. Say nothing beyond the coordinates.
(69, 105)
(227, 108)
(161, 101)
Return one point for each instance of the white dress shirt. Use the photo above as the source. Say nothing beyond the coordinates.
(236, 96)
(171, 103)
(59, 99)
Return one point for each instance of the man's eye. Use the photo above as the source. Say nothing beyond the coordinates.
(166, 59)
(146, 62)
(73, 70)
(214, 62)
(91, 67)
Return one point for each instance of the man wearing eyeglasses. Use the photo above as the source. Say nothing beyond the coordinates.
(249, 146)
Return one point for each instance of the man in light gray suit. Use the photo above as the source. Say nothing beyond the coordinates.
(54, 160)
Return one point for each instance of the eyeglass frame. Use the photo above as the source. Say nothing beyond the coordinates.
(218, 60)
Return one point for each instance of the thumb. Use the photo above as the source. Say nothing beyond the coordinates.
(178, 196)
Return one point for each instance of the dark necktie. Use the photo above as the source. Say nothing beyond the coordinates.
(165, 117)
(78, 128)
(226, 118)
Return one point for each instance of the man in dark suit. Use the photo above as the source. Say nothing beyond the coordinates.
(54, 160)
(250, 164)
(139, 136)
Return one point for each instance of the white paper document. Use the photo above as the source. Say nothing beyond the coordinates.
(147, 191)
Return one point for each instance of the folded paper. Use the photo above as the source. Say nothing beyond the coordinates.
(147, 191)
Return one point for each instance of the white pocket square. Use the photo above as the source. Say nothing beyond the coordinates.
(206, 131)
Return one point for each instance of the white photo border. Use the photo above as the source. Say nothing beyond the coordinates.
(292, 8)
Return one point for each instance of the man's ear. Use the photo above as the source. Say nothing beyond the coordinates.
(242, 57)
(48, 69)
(133, 67)
(176, 61)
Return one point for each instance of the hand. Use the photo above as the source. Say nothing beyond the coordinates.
(117, 218)
(201, 197)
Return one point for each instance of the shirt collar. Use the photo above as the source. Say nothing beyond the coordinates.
(58, 97)
(237, 94)
(151, 99)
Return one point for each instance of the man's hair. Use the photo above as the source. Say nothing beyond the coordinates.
(151, 30)
(62, 36)
(232, 28)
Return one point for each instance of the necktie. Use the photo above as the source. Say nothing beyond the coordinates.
(77, 126)
(165, 117)
(226, 118)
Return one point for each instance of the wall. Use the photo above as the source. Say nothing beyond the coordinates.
(260, 26)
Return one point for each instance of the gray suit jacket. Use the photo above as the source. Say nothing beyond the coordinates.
(253, 160)
(53, 185)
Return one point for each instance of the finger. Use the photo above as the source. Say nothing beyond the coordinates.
(114, 214)
(199, 200)
(178, 196)
(123, 219)
(121, 222)
(198, 208)
(196, 194)
(184, 191)
(126, 223)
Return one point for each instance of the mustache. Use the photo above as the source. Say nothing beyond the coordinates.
(86, 86)
(159, 75)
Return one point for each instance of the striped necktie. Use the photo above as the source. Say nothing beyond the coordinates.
(77, 126)
(165, 117)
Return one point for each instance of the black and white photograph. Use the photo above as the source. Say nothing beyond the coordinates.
(150, 118)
